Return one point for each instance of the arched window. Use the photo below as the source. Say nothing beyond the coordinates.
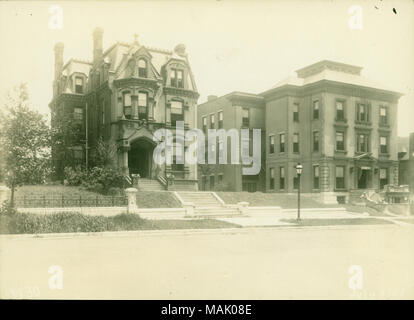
(127, 104)
(142, 68)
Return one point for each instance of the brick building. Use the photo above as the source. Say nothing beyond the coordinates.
(406, 161)
(126, 93)
(338, 124)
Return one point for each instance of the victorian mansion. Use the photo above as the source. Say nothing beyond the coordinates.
(122, 96)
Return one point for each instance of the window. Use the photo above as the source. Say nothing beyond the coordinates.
(295, 183)
(340, 177)
(383, 144)
(245, 119)
(362, 143)
(245, 146)
(383, 115)
(282, 142)
(316, 141)
(78, 113)
(142, 105)
(272, 178)
(203, 183)
(205, 125)
(142, 68)
(383, 176)
(296, 112)
(212, 121)
(127, 104)
(281, 178)
(296, 142)
(177, 113)
(316, 110)
(362, 112)
(177, 78)
(180, 81)
(78, 85)
(272, 144)
(220, 120)
(178, 155)
(340, 145)
(220, 178)
(211, 182)
(78, 154)
(340, 113)
(316, 177)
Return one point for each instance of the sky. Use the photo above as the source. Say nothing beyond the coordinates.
(232, 45)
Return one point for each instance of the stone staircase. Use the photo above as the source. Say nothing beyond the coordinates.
(150, 185)
(207, 204)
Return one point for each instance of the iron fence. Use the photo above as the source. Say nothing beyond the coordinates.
(62, 201)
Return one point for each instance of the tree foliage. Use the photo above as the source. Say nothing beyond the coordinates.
(24, 141)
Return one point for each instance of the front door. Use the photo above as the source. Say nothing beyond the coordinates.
(140, 158)
(363, 177)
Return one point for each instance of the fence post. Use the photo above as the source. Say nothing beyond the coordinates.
(113, 201)
(44, 201)
(96, 201)
(80, 201)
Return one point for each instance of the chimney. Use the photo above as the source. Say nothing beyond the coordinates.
(97, 44)
(180, 50)
(211, 97)
(58, 59)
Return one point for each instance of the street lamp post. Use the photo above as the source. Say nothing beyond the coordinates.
(299, 168)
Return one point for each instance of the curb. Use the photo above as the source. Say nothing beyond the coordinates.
(185, 232)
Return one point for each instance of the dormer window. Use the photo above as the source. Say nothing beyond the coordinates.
(177, 78)
(142, 68)
(78, 85)
(127, 104)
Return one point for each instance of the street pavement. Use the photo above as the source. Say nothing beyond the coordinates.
(347, 262)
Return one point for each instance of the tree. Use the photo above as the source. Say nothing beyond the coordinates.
(24, 142)
(105, 152)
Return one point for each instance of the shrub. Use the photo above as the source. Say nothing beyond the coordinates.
(6, 209)
(97, 179)
(102, 179)
(75, 176)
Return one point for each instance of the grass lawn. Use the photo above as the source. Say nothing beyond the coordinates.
(145, 199)
(23, 223)
(259, 199)
(337, 222)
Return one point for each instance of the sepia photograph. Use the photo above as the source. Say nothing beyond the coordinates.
(207, 150)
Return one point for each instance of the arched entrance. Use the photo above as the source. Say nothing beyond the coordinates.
(140, 157)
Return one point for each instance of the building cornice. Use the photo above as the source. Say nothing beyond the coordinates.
(333, 87)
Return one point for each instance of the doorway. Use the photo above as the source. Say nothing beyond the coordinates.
(140, 158)
(363, 178)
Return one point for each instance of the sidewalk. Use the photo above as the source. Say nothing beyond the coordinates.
(274, 219)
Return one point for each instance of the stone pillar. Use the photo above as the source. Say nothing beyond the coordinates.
(124, 160)
(189, 208)
(134, 101)
(243, 207)
(151, 104)
(132, 200)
